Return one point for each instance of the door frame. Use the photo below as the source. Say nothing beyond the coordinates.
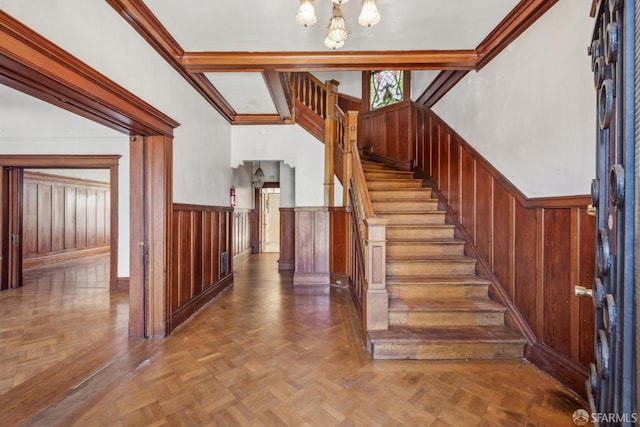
(32, 64)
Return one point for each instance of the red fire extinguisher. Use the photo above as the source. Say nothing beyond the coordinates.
(232, 197)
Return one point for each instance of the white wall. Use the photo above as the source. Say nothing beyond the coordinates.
(97, 35)
(531, 111)
(287, 186)
(99, 175)
(31, 126)
(294, 146)
(244, 187)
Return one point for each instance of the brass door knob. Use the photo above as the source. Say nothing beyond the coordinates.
(581, 291)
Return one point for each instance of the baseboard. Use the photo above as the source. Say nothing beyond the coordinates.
(188, 309)
(122, 284)
(54, 257)
(560, 367)
(311, 279)
(286, 264)
(340, 279)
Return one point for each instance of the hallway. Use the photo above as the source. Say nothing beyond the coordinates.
(262, 354)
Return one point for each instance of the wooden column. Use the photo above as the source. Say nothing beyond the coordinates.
(151, 210)
(377, 297)
(350, 138)
(329, 142)
(312, 247)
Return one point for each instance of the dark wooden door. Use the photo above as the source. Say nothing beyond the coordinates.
(11, 227)
(610, 386)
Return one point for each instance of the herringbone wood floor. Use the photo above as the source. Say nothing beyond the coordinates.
(262, 355)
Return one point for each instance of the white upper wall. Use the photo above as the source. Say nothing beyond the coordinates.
(292, 144)
(531, 111)
(93, 32)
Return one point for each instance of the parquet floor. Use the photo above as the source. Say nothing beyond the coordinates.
(262, 354)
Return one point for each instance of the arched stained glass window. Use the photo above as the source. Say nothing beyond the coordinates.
(386, 88)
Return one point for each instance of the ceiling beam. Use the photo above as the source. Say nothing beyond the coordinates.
(515, 23)
(440, 86)
(200, 62)
(278, 86)
(138, 15)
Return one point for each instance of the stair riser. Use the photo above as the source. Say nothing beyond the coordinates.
(399, 268)
(366, 166)
(423, 319)
(428, 351)
(417, 233)
(437, 291)
(387, 174)
(410, 206)
(389, 185)
(433, 217)
(424, 249)
(417, 194)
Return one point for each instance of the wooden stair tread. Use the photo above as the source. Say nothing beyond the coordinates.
(422, 242)
(432, 258)
(463, 279)
(406, 225)
(447, 334)
(445, 304)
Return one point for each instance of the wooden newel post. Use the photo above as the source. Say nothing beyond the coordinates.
(377, 297)
(329, 141)
(351, 137)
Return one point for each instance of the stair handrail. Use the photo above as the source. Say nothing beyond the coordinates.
(368, 247)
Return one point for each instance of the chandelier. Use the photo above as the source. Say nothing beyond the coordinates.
(336, 31)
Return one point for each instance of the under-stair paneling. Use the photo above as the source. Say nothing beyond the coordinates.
(311, 246)
(534, 250)
(64, 218)
(339, 223)
(287, 259)
(201, 258)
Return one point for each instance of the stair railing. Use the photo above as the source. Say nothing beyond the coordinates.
(368, 241)
(311, 92)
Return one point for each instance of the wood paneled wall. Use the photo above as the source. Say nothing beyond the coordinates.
(242, 219)
(287, 239)
(311, 246)
(534, 250)
(339, 235)
(201, 237)
(389, 131)
(64, 218)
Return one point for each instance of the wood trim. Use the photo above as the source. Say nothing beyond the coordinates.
(287, 258)
(33, 64)
(122, 284)
(199, 62)
(138, 15)
(572, 374)
(515, 23)
(201, 208)
(278, 85)
(260, 119)
(54, 257)
(440, 86)
(60, 179)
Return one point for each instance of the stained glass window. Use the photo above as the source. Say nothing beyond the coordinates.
(386, 88)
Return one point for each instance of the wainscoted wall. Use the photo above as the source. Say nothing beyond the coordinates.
(64, 218)
(311, 246)
(287, 239)
(242, 219)
(535, 250)
(339, 235)
(388, 130)
(201, 243)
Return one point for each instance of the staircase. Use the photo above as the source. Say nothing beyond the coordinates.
(438, 307)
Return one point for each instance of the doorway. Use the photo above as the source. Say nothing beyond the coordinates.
(41, 239)
(270, 219)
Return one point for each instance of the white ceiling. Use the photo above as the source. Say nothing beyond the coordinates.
(270, 26)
